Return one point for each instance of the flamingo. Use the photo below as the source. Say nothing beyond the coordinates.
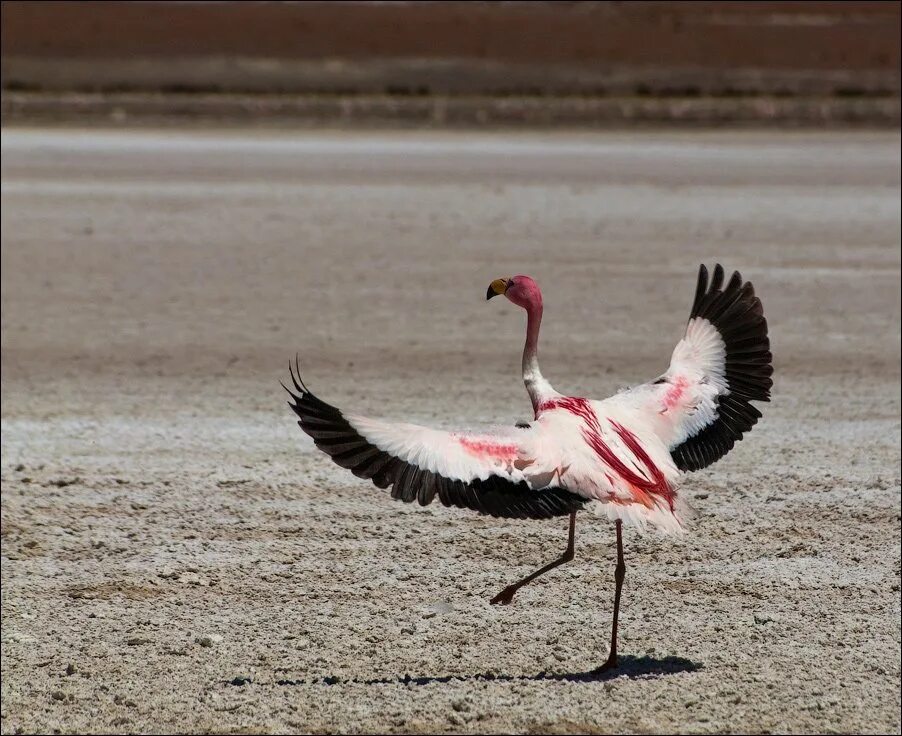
(621, 457)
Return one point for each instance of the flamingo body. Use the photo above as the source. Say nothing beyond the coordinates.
(622, 456)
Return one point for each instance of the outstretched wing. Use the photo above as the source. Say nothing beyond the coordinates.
(500, 473)
(702, 405)
(725, 356)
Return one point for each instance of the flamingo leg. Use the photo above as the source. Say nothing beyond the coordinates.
(507, 595)
(619, 574)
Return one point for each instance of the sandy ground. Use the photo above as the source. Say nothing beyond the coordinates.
(176, 556)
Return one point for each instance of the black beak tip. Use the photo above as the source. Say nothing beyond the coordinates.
(490, 292)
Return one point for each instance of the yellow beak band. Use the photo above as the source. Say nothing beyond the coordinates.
(498, 286)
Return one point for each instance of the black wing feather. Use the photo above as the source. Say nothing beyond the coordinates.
(738, 316)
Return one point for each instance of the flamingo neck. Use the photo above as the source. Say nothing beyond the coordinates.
(536, 385)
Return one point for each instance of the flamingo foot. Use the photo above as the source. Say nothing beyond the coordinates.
(611, 664)
(504, 597)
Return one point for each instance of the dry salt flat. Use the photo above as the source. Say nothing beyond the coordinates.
(176, 556)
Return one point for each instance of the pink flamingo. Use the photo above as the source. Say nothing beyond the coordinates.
(621, 457)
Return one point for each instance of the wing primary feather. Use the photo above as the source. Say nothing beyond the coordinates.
(700, 290)
(746, 370)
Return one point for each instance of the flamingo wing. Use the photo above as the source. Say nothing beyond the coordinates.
(508, 472)
(702, 404)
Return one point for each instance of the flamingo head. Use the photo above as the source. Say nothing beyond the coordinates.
(521, 290)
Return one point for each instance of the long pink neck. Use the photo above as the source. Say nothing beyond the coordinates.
(525, 293)
(532, 376)
(531, 348)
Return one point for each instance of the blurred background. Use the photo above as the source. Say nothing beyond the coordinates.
(454, 63)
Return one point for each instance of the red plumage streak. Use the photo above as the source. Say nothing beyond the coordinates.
(643, 488)
(487, 449)
(675, 391)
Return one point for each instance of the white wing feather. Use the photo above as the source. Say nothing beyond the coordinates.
(512, 453)
(684, 400)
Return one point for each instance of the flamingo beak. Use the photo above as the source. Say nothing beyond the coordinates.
(498, 286)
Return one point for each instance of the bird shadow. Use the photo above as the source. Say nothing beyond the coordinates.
(628, 666)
